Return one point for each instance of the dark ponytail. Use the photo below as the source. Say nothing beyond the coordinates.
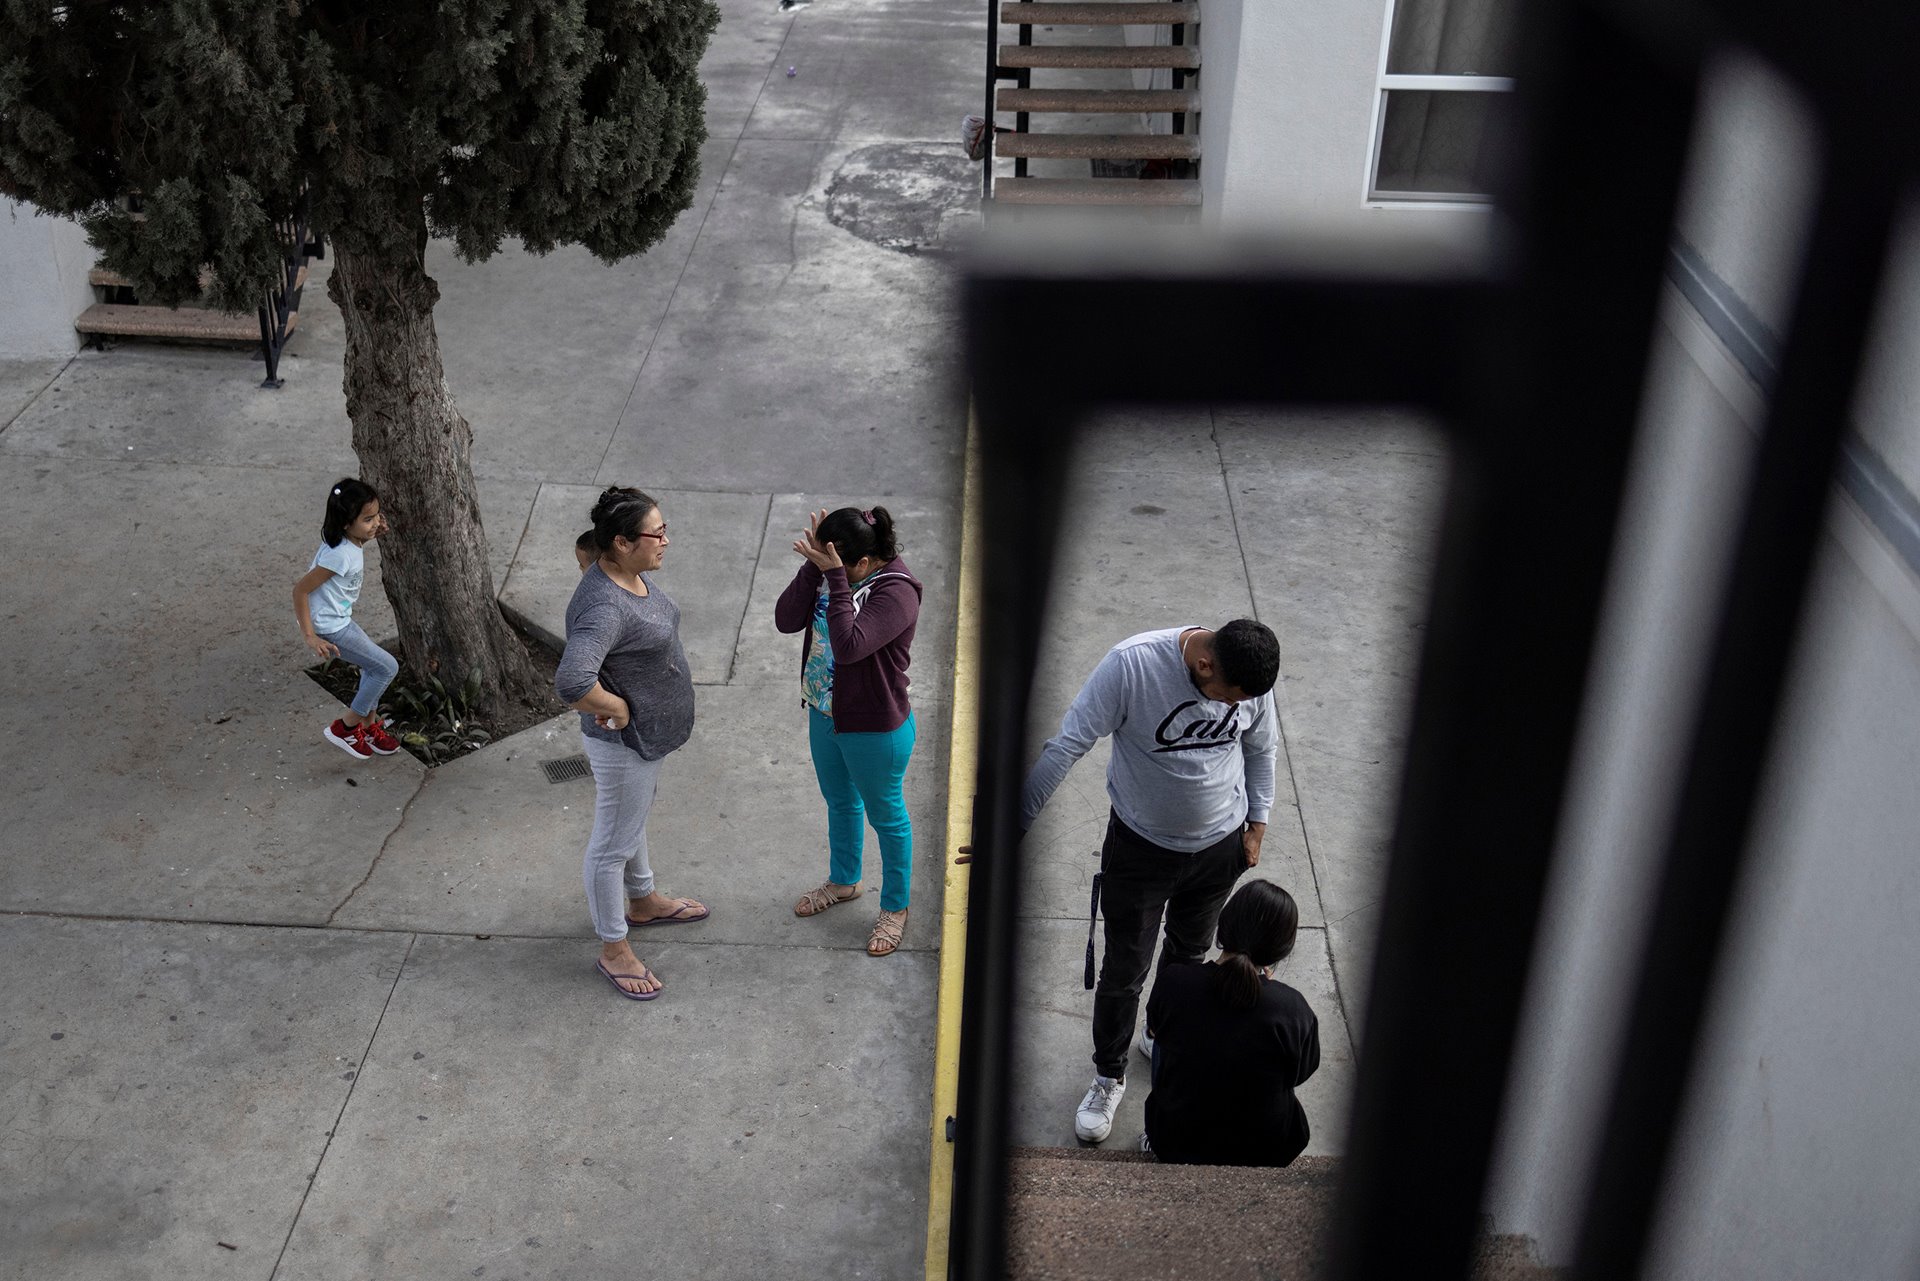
(1257, 928)
(618, 515)
(344, 504)
(859, 533)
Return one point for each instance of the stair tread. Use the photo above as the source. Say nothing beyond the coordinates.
(129, 320)
(1105, 146)
(1096, 191)
(1096, 100)
(1185, 57)
(1054, 13)
(1074, 1216)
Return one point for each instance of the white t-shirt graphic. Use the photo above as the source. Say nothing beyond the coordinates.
(1186, 771)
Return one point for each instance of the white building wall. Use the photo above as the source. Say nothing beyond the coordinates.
(1287, 98)
(43, 281)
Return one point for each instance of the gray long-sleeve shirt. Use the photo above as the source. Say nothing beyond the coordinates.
(1186, 771)
(631, 645)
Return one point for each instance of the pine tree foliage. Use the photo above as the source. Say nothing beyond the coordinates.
(550, 121)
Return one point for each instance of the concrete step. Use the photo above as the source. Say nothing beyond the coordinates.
(1082, 1215)
(1160, 192)
(1052, 13)
(1059, 220)
(1097, 100)
(186, 324)
(1186, 57)
(1103, 146)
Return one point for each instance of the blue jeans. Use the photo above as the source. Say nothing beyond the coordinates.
(377, 667)
(862, 777)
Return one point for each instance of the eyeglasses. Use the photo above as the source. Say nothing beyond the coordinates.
(660, 533)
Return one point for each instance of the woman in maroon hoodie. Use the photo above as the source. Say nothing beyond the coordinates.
(856, 603)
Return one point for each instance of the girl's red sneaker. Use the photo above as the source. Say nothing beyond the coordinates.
(349, 739)
(376, 736)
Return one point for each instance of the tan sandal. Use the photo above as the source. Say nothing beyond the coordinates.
(887, 931)
(820, 898)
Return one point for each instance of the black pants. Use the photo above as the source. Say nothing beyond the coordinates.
(1140, 881)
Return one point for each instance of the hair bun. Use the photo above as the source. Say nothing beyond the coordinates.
(610, 498)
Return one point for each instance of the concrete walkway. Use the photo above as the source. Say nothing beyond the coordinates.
(341, 1016)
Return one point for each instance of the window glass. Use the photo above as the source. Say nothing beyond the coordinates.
(1451, 38)
(1435, 144)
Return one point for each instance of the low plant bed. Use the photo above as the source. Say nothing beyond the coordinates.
(435, 721)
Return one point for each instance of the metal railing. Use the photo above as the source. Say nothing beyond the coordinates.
(1021, 76)
(283, 300)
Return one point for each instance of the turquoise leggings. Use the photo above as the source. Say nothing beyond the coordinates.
(862, 776)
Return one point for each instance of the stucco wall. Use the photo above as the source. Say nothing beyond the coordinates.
(1287, 94)
(44, 263)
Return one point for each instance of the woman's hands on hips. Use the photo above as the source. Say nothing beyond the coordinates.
(819, 553)
(608, 709)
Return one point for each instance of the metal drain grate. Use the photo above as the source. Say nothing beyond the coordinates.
(567, 767)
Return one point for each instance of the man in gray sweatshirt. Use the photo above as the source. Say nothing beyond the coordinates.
(1191, 715)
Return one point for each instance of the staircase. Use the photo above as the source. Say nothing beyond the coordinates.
(120, 314)
(1089, 1215)
(1103, 153)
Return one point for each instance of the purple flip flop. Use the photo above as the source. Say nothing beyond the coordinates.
(674, 919)
(614, 979)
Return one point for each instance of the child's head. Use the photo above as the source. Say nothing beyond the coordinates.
(586, 550)
(1257, 928)
(353, 511)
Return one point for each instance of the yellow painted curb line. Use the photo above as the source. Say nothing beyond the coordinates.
(963, 752)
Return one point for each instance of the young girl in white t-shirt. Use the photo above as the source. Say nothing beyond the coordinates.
(323, 603)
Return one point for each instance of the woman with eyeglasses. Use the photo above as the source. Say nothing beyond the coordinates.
(626, 674)
(856, 604)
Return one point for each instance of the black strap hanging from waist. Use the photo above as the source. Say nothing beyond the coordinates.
(1093, 914)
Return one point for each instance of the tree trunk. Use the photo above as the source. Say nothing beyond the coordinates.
(416, 449)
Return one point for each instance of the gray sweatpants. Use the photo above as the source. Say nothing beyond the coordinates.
(616, 866)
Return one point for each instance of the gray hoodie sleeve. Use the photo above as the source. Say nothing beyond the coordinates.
(1097, 710)
(1259, 747)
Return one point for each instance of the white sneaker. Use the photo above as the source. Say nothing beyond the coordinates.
(1145, 1043)
(1094, 1121)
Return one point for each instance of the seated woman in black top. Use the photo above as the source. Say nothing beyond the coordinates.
(1230, 1044)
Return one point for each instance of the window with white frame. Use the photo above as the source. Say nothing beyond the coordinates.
(1445, 71)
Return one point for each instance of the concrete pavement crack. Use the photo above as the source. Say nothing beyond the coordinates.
(35, 398)
(342, 1114)
(733, 660)
(571, 936)
(381, 852)
(1280, 717)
